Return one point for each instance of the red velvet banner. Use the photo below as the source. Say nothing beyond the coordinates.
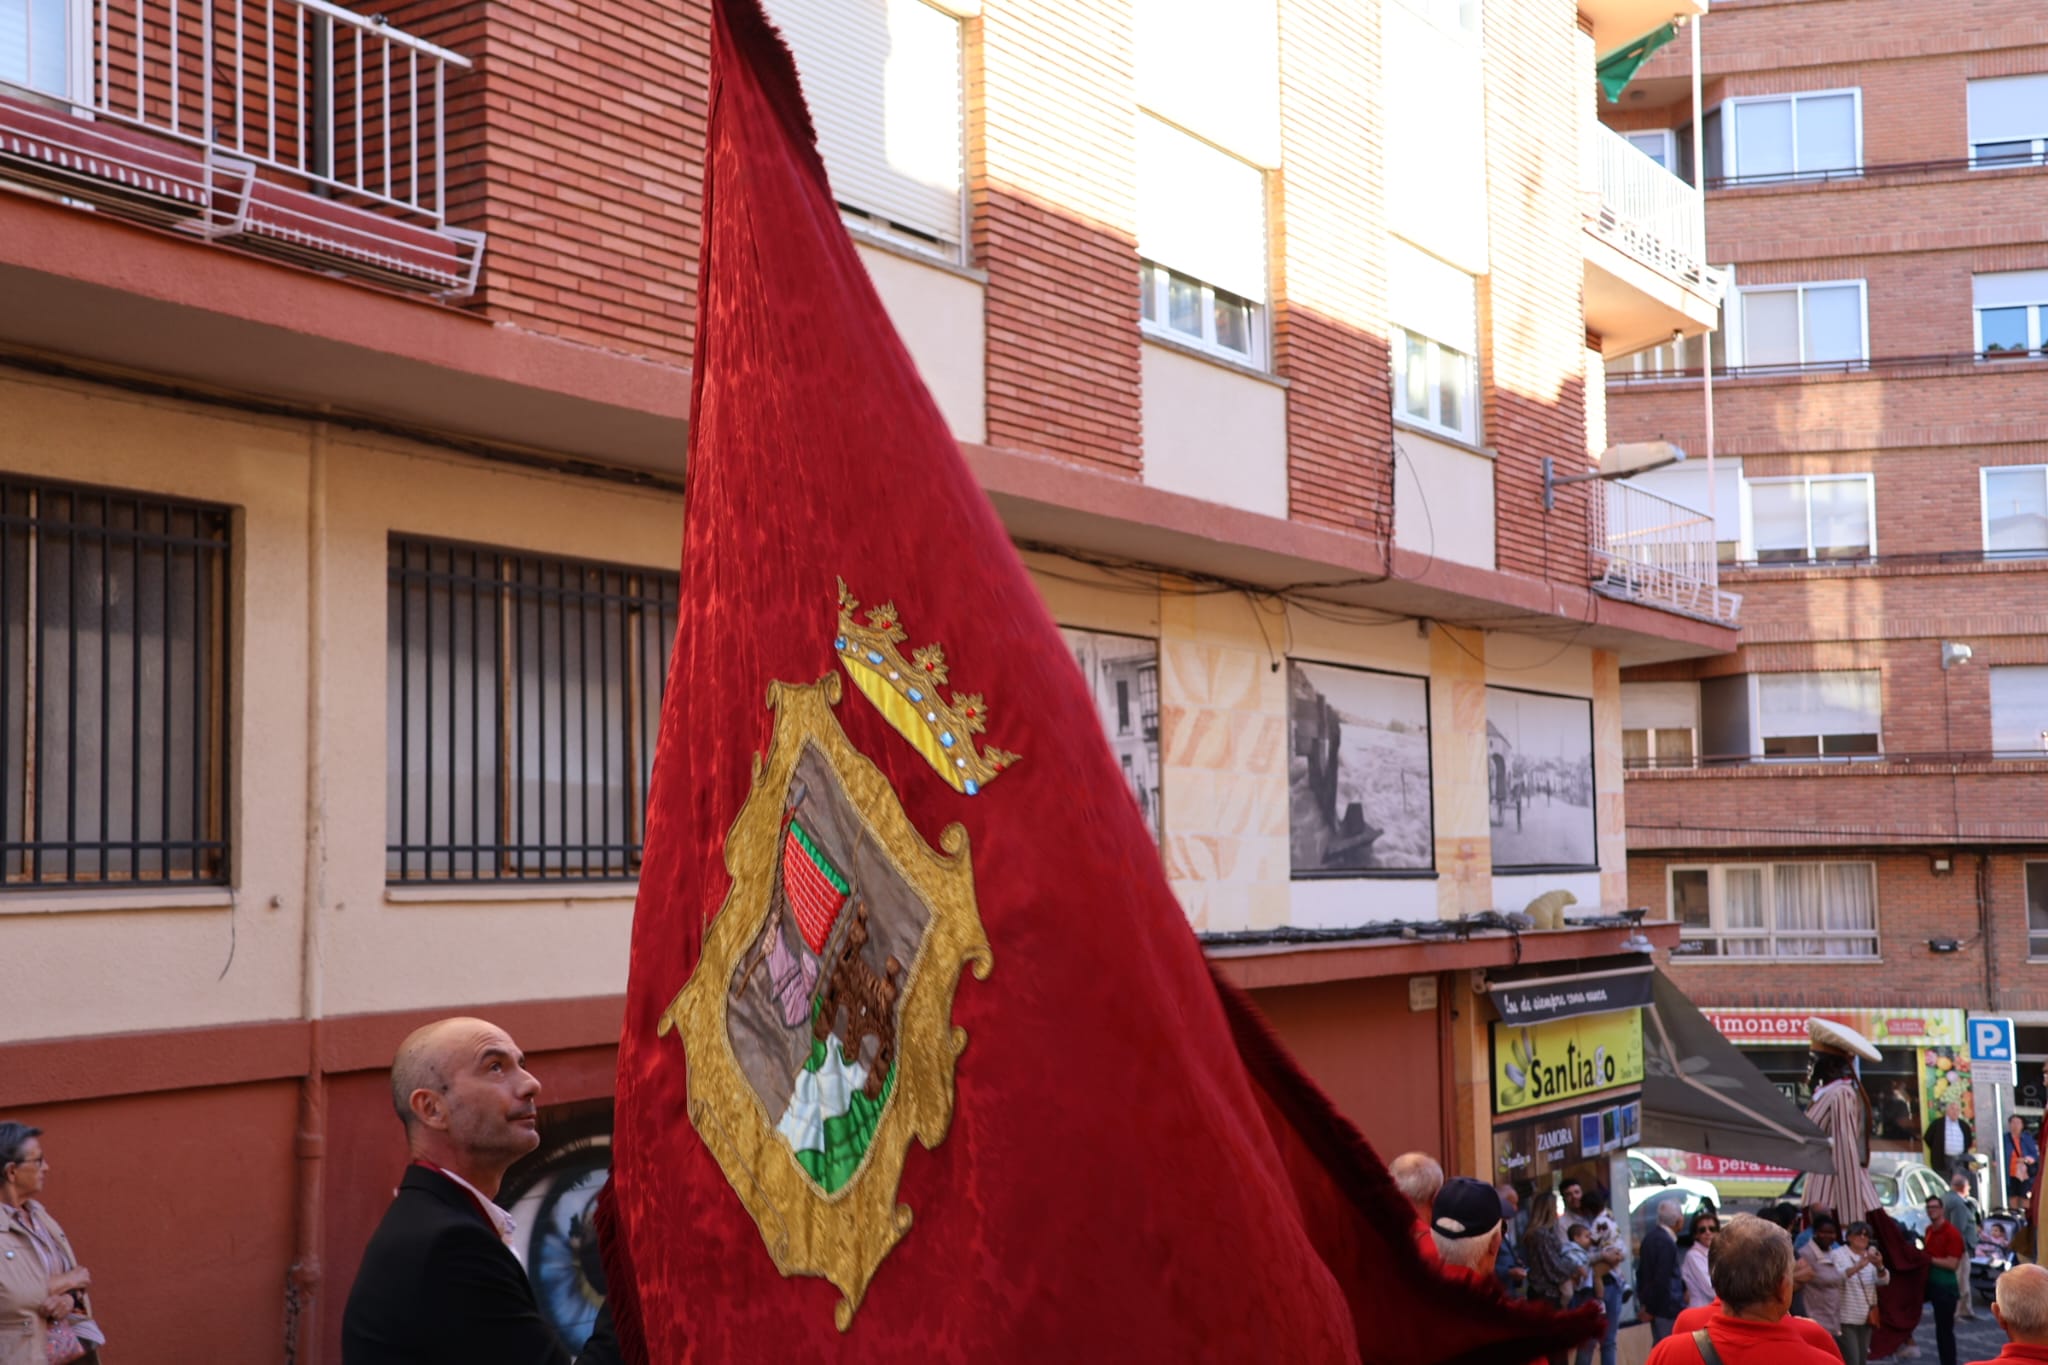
(1134, 1169)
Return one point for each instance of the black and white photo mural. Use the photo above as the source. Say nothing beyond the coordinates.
(1123, 677)
(1358, 791)
(1539, 781)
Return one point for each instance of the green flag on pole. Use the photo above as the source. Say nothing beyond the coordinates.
(1619, 67)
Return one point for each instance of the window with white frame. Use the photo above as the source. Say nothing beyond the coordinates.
(1811, 518)
(884, 82)
(1658, 144)
(35, 44)
(1659, 724)
(2037, 910)
(1782, 137)
(1815, 715)
(1802, 324)
(1434, 309)
(1202, 237)
(2009, 308)
(1657, 748)
(2008, 121)
(2016, 510)
(1776, 910)
(2019, 711)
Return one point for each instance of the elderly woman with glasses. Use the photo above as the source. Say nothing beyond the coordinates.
(43, 1313)
(1699, 1285)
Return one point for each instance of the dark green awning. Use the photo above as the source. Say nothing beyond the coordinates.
(1702, 1095)
(1619, 67)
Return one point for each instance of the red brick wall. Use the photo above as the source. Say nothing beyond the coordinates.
(1914, 905)
(1330, 331)
(1532, 313)
(1052, 177)
(577, 143)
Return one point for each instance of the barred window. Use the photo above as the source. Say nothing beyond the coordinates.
(113, 649)
(523, 698)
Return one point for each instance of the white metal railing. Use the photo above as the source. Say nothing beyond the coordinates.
(341, 99)
(1653, 550)
(1647, 211)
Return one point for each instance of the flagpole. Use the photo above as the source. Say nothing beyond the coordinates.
(1699, 174)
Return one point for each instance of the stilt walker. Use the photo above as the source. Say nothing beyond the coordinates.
(1842, 1109)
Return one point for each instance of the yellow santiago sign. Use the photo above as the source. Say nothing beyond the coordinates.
(1565, 1059)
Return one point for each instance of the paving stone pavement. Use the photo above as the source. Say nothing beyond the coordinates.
(1977, 1338)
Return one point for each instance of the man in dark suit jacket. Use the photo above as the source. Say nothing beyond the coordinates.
(1659, 1289)
(1950, 1130)
(438, 1285)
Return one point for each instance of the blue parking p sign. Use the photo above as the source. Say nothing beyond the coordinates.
(1992, 1053)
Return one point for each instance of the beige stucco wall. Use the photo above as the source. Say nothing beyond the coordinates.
(1224, 750)
(1443, 499)
(1213, 432)
(938, 313)
(145, 958)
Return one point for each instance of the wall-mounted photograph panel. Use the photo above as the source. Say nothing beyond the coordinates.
(1539, 781)
(1358, 781)
(1123, 677)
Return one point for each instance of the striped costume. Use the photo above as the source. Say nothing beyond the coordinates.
(1838, 1107)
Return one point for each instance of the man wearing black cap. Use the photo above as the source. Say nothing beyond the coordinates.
(1464, 1225)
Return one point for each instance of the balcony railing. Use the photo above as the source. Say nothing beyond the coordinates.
(293, 126)
(1649, 549)
(1649, 213)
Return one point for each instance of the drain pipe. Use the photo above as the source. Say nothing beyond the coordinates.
(303, 1281)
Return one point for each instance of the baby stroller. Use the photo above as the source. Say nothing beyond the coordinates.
(1993, 1255)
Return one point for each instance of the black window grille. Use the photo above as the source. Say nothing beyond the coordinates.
(524, 695)
(113, 649)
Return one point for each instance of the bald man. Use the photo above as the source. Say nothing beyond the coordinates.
(438, 1285)
(2021, 1307)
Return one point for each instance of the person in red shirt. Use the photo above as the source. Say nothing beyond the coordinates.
(1811, 1332)
(1752, 1274)
(1948, 1262)
(2022, 1310)
(1418, 1177)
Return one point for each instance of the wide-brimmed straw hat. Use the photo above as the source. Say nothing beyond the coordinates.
(1827, 1035)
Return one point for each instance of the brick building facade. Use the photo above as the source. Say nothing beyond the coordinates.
(316, 402)
(1878, 432)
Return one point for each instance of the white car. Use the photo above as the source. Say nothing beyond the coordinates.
(1648, 1182)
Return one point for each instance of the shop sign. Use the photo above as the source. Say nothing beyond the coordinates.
(1529, 1002)
(1565, 1059)
(1764, 1027)
(1529, 1149)
(1704, 1167)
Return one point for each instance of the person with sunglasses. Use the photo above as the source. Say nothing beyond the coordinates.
(1699, 1283)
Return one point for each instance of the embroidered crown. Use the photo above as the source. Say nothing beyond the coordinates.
(909, 695)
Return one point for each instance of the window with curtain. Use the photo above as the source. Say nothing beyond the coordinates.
(2009, 307)
(1807, 715)
(1202, 236)
(2016, 510)
(1812, 518)
(2019, 711)
(1783, 137)
(523, 699)
(2037, 910)
(1776, 910)
(883, 80)
(2008, 121)
(114, 615)
(1801, 324)
(1434, 308)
